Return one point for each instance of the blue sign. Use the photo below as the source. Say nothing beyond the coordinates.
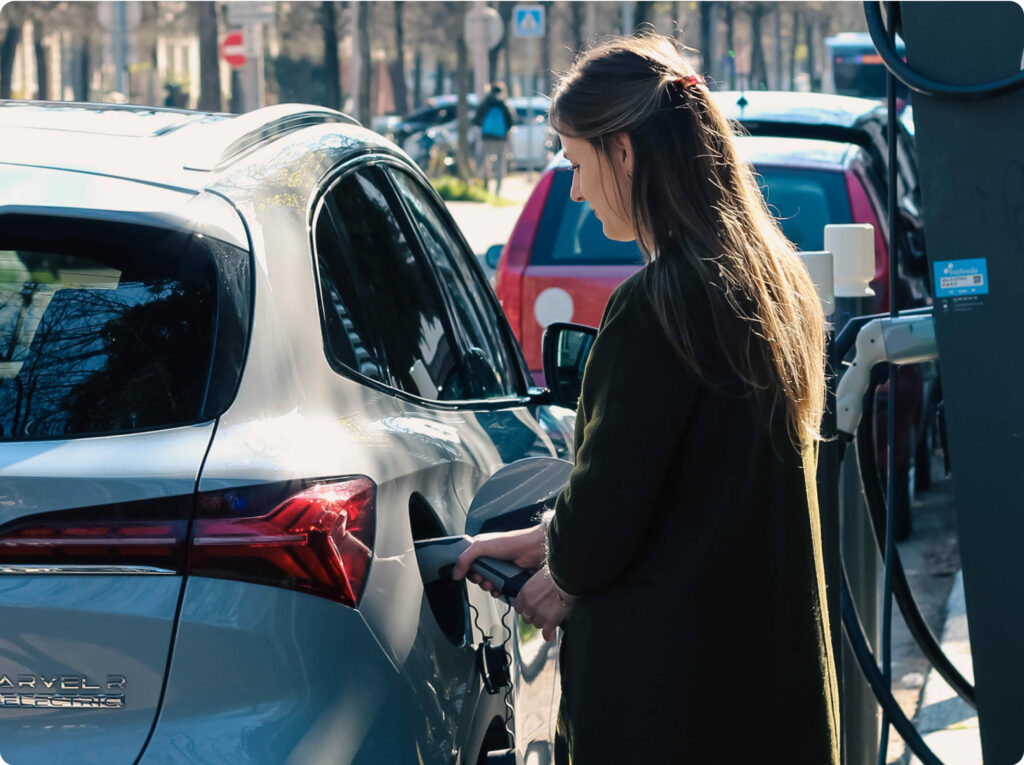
(961, 277)
(528, 21)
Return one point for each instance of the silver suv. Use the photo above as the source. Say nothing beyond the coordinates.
(245, 363)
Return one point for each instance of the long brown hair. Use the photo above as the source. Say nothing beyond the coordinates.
(701, 223)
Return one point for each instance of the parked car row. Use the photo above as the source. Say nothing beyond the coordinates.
(532, 142)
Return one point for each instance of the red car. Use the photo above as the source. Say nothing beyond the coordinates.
(558, 265)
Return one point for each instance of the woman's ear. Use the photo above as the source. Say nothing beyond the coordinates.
(622, 152)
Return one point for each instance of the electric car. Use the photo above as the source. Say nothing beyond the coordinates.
(245, 363)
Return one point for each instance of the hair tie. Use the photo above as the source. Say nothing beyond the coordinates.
(690, 80)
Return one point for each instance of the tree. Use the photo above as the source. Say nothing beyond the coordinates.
(363, 109)
(758, 68)
(577, 26)
(397, 68)
(9, 47)
(730, 43)
(209, 57)
(332, 69)
(463, 158)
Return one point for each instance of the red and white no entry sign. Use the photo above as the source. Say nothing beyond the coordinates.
(232, 50)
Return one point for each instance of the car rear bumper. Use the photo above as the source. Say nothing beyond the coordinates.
(266, 675)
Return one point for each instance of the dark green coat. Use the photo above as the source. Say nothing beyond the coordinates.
(700, 634)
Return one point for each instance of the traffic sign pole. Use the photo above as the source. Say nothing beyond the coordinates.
(528, 21)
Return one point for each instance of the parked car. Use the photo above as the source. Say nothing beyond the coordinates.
(559, 267)
(861, 121)
(532, 143)
(245, 362)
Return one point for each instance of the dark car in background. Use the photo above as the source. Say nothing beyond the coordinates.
(559, 267)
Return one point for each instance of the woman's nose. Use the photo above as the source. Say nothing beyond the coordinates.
(574, 190)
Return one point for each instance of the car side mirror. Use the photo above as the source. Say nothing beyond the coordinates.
(515, 496)
(566, 348)
(493, 255)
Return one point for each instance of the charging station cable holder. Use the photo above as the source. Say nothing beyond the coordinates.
(819, 266)
(900, 340)
(853, 258)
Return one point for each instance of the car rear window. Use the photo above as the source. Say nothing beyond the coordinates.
(804, 202)
(111, 328)
(570, 235)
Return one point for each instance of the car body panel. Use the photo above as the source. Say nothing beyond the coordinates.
(92, 637)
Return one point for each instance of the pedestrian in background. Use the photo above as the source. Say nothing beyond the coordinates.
(684, 556)
(495, 121)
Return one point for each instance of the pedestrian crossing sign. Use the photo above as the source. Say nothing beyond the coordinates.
(528, 21)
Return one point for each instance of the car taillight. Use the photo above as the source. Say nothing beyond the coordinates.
(318, 540)
(508, 281)
(144, 533)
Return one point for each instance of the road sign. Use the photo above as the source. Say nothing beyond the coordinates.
(240, 14)
(483, 28)
(528, 21)
(232, 50)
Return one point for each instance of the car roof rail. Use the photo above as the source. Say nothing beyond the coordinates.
(230, 139)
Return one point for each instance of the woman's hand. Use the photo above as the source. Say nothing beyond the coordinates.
(523, 547)
(543, 604)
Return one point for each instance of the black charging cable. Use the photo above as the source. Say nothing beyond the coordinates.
(875, 500)
(918, 82)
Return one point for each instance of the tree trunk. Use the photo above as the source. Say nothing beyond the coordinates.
(209, 57)
(730, 27)
(641, 12)
(332, 69)
(439, 75)
(777, 13)
(758, 68)
(809, 39)
(792, 49)
(84, 69)
(417, 77)
(42, 65)
(463, 156)
(8, 48)
(505, 11)
(398, 66)
(366, 64)
(707, 54)
(545, 50)
(577, 26)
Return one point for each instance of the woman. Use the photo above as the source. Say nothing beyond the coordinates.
(686, 545)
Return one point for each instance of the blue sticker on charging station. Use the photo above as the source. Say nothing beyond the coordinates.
(961, 277)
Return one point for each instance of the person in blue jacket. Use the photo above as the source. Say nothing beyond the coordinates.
(683, 560)
(495, 120)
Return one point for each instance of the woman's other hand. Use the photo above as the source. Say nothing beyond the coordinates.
(524, 547)
(543, 604)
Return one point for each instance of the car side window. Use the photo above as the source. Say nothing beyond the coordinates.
(349, 339)
(490, 364)
(395, 291)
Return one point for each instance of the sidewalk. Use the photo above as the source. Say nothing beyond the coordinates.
(948, 725)
(484, 225)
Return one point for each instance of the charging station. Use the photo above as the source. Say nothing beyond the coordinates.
(971, 165)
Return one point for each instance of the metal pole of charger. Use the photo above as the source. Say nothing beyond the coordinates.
(853, 250)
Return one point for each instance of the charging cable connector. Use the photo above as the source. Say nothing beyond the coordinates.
(899, 340)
